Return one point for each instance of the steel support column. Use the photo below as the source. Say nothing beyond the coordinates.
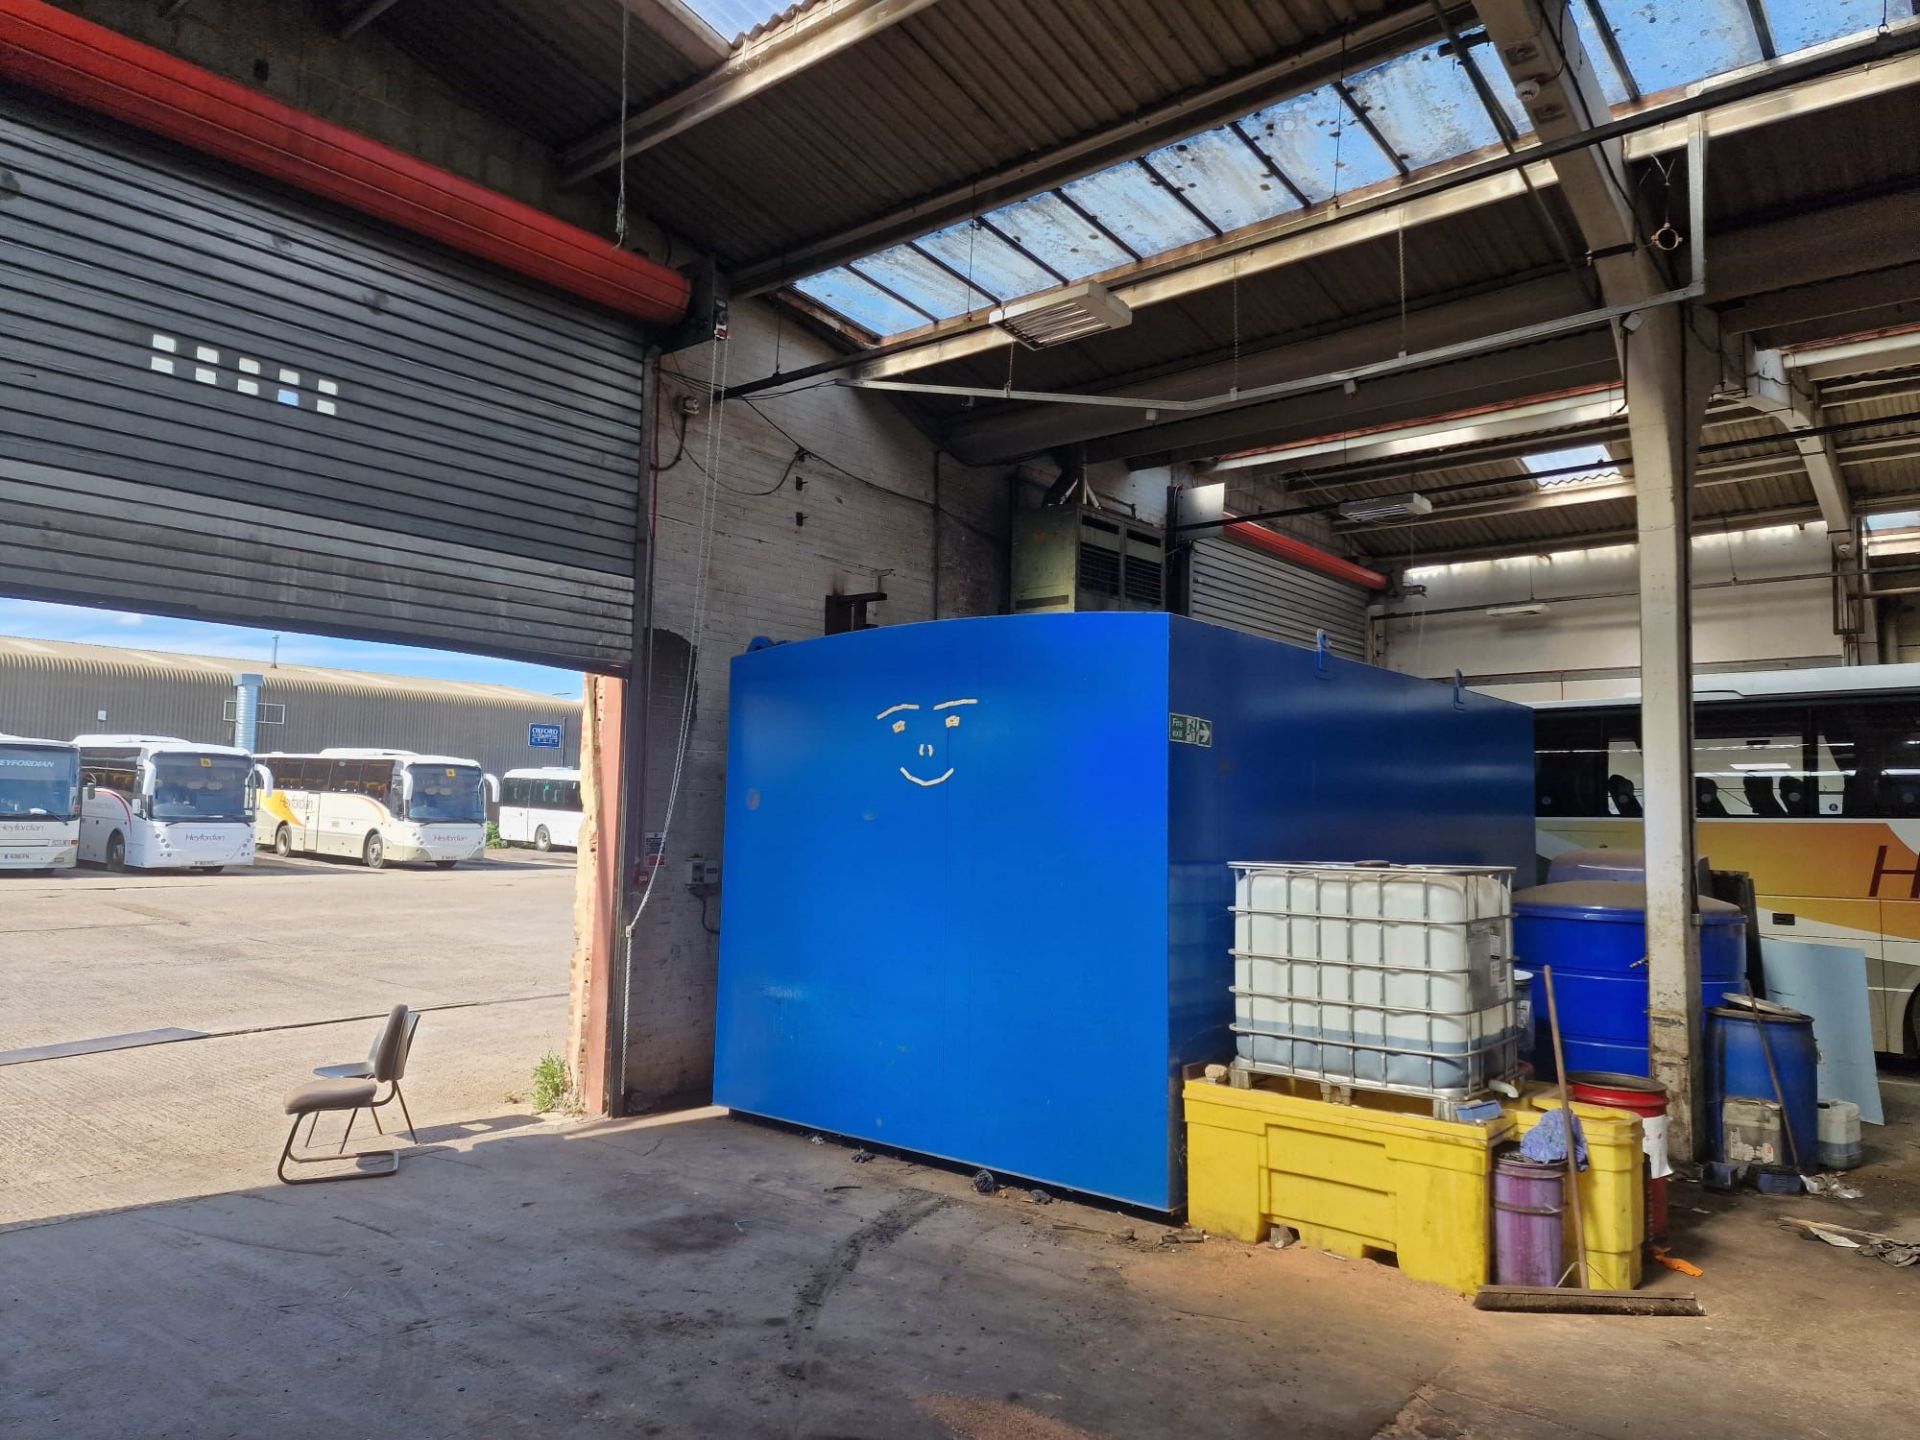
(1670, 374)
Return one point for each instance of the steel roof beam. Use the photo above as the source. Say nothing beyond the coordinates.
(360, 17)
(817, 34)
(1791, 399)
(681, 29)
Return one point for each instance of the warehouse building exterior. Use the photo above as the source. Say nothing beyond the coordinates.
(58, 689)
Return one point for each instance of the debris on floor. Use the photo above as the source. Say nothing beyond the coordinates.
(984, 1182)
(1183, 1237)
(1674, 1263)
(1834, 1186)
(1037, 1196)
(861, 1157)
(1897, 1253)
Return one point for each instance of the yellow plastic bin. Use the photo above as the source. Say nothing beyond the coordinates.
(1354, 1180)
(1612, 1192)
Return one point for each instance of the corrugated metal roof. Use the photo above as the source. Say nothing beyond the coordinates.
(20, 653)
(550, 68)
(960, 89)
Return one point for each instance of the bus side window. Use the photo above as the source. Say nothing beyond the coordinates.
(1886, 782)
(1569, 766)
(1842, 786)
(1744, 758)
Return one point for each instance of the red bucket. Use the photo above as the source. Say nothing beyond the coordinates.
(1647, 1099)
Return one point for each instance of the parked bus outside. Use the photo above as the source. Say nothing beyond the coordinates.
(541, 808)
(1808, 780)
(154, 802)
(379, 806)
(39, 804)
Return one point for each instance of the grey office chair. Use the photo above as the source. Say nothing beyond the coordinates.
(388, 1064)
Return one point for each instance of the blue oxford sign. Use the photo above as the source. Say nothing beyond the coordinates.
(545, 737)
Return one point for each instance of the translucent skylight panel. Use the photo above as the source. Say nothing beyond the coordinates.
(1611, 84)
(1798, 24)
(1426, 107)
(987, 260)
(1126, 200)
(1670, 43)
(845, 293)
(1319, 146)
(917, 280)
(730, 19)
(1896, 519)
(1220, 173)
(1047, 227)
(1578, 464)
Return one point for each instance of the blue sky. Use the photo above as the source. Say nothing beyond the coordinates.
(40, 621)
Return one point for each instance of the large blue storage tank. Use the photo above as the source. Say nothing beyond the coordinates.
(977, 897)
(1594, 935)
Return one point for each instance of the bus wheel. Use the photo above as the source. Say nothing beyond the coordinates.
(374, 853)
(116, 851)
(208, 869)
(445, 864)
(283, 841)
(542, 841)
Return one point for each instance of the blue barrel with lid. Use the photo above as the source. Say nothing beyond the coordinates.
(1594, 935)
(1763, 1051)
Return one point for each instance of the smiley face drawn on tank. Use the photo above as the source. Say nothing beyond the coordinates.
(917, 725)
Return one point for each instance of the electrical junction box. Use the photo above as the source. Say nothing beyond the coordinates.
(978, 899)
(703, 872)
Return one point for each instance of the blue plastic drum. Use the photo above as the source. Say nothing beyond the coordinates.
(1594, 935)
(1754, 1046)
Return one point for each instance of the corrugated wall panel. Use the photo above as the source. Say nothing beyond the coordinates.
(57, 697)
(1230, 584)
(236, 404)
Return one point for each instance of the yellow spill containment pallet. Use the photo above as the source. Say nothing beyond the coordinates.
(1353, 1179)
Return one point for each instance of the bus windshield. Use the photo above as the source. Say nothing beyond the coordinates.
(201, 787)
(38, 784)
(447, 794)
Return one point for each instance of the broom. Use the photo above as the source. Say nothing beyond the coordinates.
(1569, 1299)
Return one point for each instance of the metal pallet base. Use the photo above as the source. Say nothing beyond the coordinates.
(1240, 1073)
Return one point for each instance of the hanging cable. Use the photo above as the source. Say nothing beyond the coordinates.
(620, 203)
(720, 357)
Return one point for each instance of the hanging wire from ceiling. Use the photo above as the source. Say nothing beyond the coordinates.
(620, 203)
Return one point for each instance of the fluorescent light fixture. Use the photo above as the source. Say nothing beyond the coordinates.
(1063, 315)
(1386, 507)
(1514, 612)
(1749, 767)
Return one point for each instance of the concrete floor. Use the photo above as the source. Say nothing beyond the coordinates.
(281, 966)
(706, 1276)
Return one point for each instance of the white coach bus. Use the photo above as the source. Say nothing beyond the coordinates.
(39, 804)
(380, 806)
(541, 808)
(158, 803)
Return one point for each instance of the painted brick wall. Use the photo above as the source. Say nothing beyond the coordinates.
(867, 494)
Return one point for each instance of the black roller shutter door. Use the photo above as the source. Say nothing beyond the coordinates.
(225, 402)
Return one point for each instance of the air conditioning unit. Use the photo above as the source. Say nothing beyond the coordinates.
(1386, 507)
(1072, 558)
(1062, 315)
